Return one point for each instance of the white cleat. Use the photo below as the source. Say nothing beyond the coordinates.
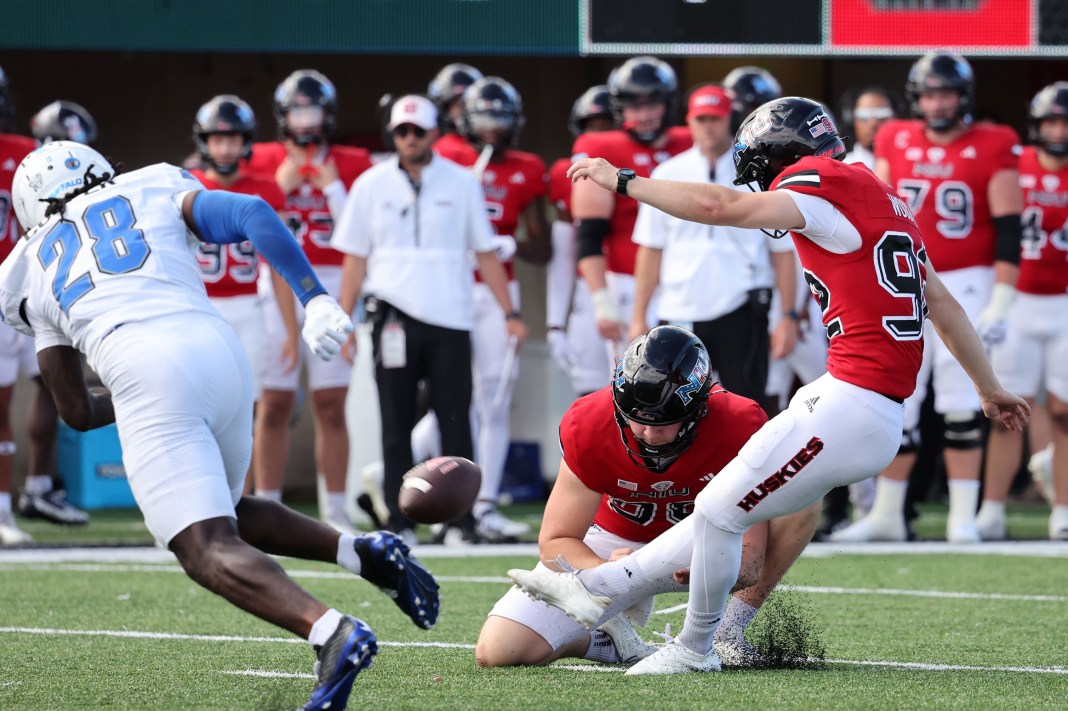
(340, 522)
(1041, 467)
(991, 524)
(564, 591)
(737, 655)
(629, 646)
(495, 526)
(870, 529)
(674, 658)
(10, 533)
(962, 532)
(1058, 524)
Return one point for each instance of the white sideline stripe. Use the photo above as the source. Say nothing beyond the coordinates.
(151, 554)
(455, 645)
(271, 674)
(500, 580)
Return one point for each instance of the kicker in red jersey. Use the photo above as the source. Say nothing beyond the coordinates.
(231, 269)
(619, 148)
(639, 504)
(1044, 250)
(946, 186)
(872, 299)
(306, 210)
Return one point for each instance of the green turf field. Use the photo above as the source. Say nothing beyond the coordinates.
(901, 630)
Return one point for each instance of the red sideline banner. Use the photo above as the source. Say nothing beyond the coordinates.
(923, 24)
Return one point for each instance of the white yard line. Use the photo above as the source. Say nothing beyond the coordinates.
(51, 631)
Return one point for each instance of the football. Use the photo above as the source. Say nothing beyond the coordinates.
(440, 490)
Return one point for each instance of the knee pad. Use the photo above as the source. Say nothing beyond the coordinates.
(910, 441)
(962, 430)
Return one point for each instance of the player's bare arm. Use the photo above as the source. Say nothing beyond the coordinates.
(1006, 200)
(81, 408)
(963, 342)
(590, 203)
(537, 248)
(646, 278)
(568, 515)
(788, 330)
(698, 202)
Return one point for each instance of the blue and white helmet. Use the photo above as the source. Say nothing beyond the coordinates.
(52, 171)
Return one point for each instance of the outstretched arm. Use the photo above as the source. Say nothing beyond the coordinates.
(963, 342)
(699, 202)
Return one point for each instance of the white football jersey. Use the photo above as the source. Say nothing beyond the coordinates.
(121, 254)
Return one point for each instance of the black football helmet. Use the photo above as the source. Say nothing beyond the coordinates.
(225, 113)
(447, 86)
(63, 121)
(942, 70)
(749, 87)
(7, 106)
(595, 102)
(664, 377)
(306, 88)
(1051, 102)
(489, 104)
(643, 80)
(780, 133)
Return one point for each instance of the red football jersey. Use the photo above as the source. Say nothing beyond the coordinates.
(622, 151)
(872, 299)
(449, 143)
(946, 186)
(13, 149)
(231, 269)
(1044, 250)
(640, 504)
(560, 187)
(306, 210)
(509, 185)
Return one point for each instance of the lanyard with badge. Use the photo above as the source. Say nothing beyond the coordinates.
(393, 343)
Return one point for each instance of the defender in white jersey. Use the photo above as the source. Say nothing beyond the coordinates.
(109, 270)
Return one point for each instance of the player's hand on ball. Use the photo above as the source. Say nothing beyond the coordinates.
(598, 170)
(326, 326)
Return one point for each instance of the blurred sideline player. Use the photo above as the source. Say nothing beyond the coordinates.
(643, 95)
(960, 179)
(514, 184)
(749, 87)
(314, 176)
(40, 498)
(1034, 354)
(223, 131)
(127, 294)
(676, 425)
(446, 90)
(564, 314)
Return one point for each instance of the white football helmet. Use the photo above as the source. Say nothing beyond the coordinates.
(53, 170)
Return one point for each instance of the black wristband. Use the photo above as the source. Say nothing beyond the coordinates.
(512, 315)
(794, 314)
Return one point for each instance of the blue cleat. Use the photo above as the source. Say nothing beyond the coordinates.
(350, 650)
(386, 562)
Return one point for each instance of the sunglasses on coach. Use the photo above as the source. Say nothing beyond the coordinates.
(405, 128)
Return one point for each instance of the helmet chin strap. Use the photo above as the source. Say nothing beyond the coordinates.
(650, 457)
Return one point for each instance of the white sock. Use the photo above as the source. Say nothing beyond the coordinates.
(889, 501)
(601, 649)
(482, 507)
(661, 557)
(963, 500)
(735, 620)
(993, 508)
(717, 555)
(5, 502)
(272, 494)
(324, 627)
(38, 484)
(347, 557)
(335, 504)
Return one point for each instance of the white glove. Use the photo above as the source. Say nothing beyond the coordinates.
(560, 349)
(994, 321)
(326, 326)
(504, 246)
(604, 306)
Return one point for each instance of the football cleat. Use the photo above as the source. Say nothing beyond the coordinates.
(674, 658)
(495, 527)
(350, 650)
(10, 533)
(564, 591)
(870, 529)
(387, 563)
(629, 646)
(1058, 524)
(991, 523)
(52, 506)
(737, 654)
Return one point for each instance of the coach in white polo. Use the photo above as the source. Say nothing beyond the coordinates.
(714, 281)
(407, 230)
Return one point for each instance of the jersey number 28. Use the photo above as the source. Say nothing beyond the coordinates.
(118, 247)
